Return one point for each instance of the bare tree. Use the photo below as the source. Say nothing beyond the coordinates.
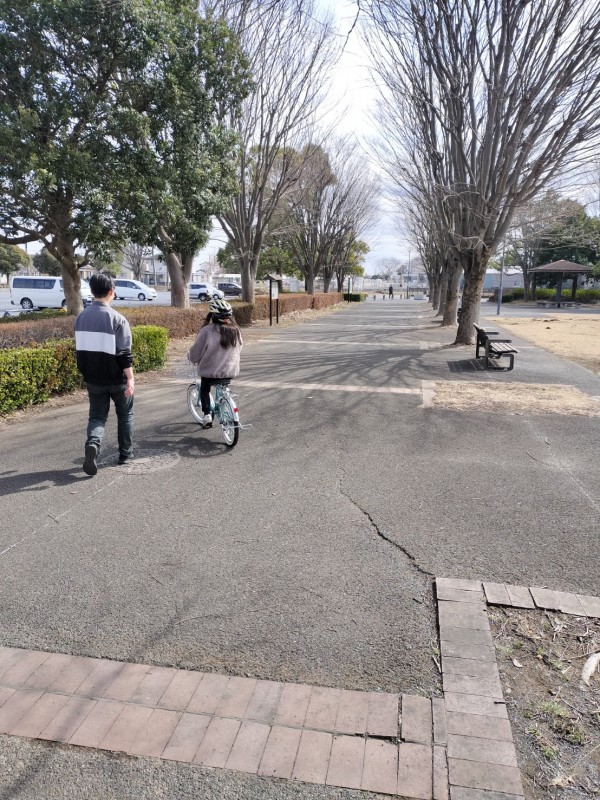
(331, 206)
(290, 50)
(135, 257)
(504, 96)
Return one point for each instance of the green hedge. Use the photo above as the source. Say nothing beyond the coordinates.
(355, 297)
(544, 293)
(30, 375)
(47, 313)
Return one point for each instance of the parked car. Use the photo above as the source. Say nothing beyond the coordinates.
(204, 291)
(128, 289)
(42, 291)
(230, 289)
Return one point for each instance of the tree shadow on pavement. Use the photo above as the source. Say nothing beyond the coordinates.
(13, 482)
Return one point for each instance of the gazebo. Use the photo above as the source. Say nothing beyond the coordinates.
(562, 269)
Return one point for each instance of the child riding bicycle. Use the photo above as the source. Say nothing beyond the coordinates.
(216, 352)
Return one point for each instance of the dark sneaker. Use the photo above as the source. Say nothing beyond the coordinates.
(125, 460)
(89, 463)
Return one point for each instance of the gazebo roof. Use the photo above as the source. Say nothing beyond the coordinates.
(561, 266)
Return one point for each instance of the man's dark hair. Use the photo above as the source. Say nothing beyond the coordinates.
(101, 283)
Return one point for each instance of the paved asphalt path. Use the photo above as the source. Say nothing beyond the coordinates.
(307, 552)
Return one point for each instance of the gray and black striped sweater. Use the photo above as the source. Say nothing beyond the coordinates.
(103, 344)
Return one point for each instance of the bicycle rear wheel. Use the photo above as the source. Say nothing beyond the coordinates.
(193, 396)
(229, 427)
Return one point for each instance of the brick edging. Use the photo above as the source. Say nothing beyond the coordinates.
(481, 755)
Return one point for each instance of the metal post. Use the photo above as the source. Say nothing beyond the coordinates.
(277, 310)
(501, 280)
(270, 301)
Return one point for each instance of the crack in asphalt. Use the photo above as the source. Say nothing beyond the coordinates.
(413, 561)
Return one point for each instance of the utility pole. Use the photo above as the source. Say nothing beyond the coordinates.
(501, 279)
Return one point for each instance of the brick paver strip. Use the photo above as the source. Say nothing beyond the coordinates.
(458, 595)
(520, 596)
(100, 678)
(71, 678)
(440, 774)
(415, 771)
(591, 605)
(5, 693)
(440, 731)
(489, 751)
(469, 666)
(461, 608)
(264, 701)
(478, 652)
(450, 633)
(45, 675)
(462, 793)
(383, 717)
(474, 704)
(380, 767)
(126, 682)
(474, 620)
(25, 665)
(569, 604)
(321, 713)
(187, 737)
(97, 723)
(459, 583)
(544, 598)
(16, 706)
(346, 762)
(39, 715)
(464, 684)
(153, 686)
(208, 694)
(156, 733)
(417, 725)
(217, 742)
(312, 759)
(293, 705)
(477, 775)
(180, 691)
(353, 712)
(236, 697)
(280, 752)
(68, 719)
(480, 726)
(496, 594)
(8, 656)
(123, 732)
(248, 748)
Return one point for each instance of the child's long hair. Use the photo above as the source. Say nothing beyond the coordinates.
(228, 330)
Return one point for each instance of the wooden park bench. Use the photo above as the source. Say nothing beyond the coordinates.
(494, 348)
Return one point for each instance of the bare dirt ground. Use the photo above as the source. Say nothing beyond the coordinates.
(514, 398)
(569, 336)
(554, 714)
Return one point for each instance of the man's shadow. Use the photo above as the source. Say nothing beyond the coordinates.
(12, 482)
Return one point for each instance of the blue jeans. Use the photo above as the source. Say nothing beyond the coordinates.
(100, 397)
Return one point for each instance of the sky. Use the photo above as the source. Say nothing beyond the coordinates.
(352, 89)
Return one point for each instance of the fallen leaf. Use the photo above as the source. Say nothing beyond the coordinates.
(590, 666)
(517, 663)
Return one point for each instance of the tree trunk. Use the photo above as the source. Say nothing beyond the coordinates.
(434, 292)
(451, 304)
(326, 283)
(474, 268)
(179, 291)
(310, 283)
(526, 287)
(63, 249)
(442, 292)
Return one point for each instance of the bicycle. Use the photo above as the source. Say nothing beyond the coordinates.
(222, 406)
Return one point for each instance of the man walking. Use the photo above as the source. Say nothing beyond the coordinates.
(104, 358)
(391, 292)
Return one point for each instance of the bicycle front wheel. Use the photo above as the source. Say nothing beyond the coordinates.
(229, 427)
(193, 396)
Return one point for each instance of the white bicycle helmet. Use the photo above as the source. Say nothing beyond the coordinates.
(220, 309)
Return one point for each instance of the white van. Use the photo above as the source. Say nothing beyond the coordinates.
(128, 289)
(42, 291)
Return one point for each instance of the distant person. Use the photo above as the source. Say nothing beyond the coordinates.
(104, 358)
(391, 292)
(216, 352)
